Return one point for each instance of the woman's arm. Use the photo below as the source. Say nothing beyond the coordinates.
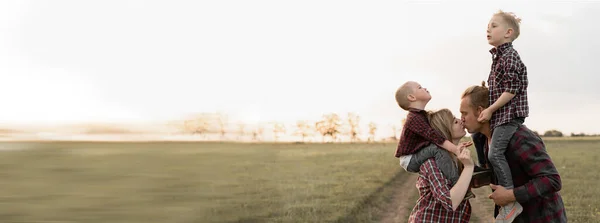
(458, 191)
(450, 198)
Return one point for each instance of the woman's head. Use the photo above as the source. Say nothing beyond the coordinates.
(448, 125)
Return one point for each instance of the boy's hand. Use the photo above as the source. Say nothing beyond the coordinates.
(485, 115)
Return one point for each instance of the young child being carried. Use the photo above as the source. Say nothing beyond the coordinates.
(418, 141)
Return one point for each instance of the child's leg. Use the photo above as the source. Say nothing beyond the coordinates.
(442, 158)
(500, 138)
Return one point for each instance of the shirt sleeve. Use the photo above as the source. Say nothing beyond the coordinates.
(419, 125)
(439, 184)
(536, 162)
(511, 80)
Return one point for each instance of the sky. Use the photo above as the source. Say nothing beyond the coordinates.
(132, 60)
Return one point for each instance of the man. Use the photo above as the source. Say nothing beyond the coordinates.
(536, 180)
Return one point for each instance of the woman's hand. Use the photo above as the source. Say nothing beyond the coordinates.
(465, 158)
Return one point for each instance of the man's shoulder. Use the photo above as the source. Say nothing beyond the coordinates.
(524, 132)
(523, 136)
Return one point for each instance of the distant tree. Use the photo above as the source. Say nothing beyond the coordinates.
(394, 132)
(302, 129)
(278, 130)
(578, 135)
(222, 123)
(353, 122)
(197, 124)
(553, 133)
(372, 130)
(329, 126)
(257, 132)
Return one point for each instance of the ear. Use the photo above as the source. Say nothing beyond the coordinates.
(509, 32)
(411, 98)
(479, 110)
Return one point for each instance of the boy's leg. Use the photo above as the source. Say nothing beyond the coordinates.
(442, 158)
(500, 138)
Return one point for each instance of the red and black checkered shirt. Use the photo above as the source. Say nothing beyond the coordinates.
(508, 74)
(536, 179)
(435, 204)
(417, 133)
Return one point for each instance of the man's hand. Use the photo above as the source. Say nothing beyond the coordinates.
(501, 195)
(485, 115)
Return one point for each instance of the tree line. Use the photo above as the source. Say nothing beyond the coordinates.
(331, 127)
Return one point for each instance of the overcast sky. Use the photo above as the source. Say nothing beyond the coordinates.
(64, 61)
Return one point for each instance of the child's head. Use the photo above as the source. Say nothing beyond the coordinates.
(410, 93)
(503, 28)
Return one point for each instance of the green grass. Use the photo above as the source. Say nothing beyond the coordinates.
(213, 182)
(193, 182)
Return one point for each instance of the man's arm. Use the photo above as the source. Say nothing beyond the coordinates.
(537, 164)
(419, 125)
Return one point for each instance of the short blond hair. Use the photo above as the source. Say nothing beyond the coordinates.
(512, 21)
(402, 95)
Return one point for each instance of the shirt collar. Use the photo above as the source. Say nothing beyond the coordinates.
(499, 50)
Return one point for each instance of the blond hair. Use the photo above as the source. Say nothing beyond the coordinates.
(512, 21)
(442, 121)
(402, 95)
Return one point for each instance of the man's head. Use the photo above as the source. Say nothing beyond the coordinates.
(410, 93)
(473, 101)
(503, 27)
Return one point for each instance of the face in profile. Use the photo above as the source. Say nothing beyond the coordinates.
(469, 115)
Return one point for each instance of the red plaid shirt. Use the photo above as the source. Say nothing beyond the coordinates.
(508, 74)
(417, 133)
(536, 180)
(435, 204)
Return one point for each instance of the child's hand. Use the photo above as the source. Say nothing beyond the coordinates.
(485, 116)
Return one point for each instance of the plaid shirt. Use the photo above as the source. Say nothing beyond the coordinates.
(508, 74)
(435, 204)
(536, 180)
(417, 133)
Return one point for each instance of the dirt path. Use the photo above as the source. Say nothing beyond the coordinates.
(399, 209)
(482, 206)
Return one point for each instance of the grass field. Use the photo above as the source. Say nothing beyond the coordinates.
(229, 182)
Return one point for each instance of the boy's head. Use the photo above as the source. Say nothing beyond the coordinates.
(504, 27)
(410, 93)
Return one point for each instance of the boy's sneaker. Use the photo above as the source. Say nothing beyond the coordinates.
(509, 212)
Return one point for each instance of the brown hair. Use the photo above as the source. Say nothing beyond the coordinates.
(479, 95)
(512, 21)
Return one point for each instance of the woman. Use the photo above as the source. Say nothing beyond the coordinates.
(439, 201)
